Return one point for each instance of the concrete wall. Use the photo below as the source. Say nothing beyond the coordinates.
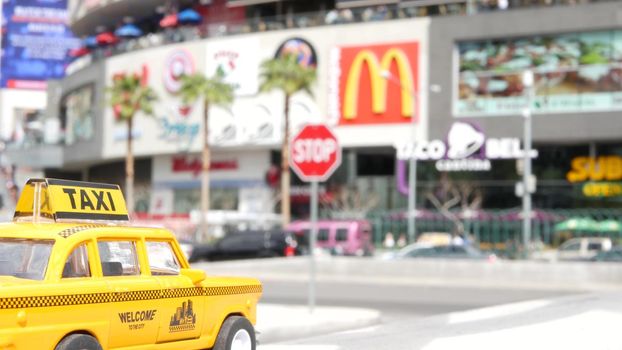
(568, 127)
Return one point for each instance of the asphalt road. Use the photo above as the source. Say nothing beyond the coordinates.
(425, 304)
(397, 295)
(397, 303)
(586, 321)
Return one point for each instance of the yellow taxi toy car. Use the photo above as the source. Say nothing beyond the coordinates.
(75, 276)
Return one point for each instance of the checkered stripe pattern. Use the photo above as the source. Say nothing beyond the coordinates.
(100, 298)
(73, 230)
(53, 300)
(182, 292)
(231, 290)
(135, 295)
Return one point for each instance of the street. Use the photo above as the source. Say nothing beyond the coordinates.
(559, 323)
(422, 296)
(398, 303)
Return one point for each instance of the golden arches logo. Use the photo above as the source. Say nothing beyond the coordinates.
(378, 82)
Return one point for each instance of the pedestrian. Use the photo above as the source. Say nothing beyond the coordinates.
(457, 240)
(368, 14)
(346, 16)
(401, 242)
(331, 17)
(389, 241)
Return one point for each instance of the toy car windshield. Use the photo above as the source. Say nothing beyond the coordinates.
(24, 258)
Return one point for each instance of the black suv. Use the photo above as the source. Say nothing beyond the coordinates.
(247, 245)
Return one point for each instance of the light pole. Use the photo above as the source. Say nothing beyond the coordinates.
(412, 162)
(528, 83)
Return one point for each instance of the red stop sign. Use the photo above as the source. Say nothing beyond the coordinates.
(315, 153)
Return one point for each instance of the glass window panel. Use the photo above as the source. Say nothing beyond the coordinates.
(77, 264)
(162, 259)
(118, 258)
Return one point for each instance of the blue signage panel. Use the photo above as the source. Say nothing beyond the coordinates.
(35, 42)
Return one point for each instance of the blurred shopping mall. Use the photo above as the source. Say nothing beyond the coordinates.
(449, 72)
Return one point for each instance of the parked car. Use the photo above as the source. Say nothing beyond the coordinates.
(247, 245)
(582, 249)
(443, 251)
(435, 238)
(613, 255)
(340, 237)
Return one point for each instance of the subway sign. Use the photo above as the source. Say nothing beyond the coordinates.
(374, 84)
(603, 168)
(601, 177)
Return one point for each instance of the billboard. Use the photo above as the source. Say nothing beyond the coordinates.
(376, 84)
(78, 114)
(35, 42)
(237, 61)
(574, 72)
(254, 120)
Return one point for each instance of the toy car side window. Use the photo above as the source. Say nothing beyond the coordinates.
(118, 258)
(77, 264)
(162, 259)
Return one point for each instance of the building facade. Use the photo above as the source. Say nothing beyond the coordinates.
(380, 84)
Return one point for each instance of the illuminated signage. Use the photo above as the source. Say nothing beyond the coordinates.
(574, 67)
(374, 84)
(602, 189)
(466, 149)
(599, 175)
(603, 168)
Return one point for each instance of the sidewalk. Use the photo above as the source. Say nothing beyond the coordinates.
(502, 274)
(276, 323)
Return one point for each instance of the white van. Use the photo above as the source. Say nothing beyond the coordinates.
(583, 248)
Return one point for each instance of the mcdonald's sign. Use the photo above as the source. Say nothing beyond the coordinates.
(367, 95)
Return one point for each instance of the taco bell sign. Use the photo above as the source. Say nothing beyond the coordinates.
(466, 149)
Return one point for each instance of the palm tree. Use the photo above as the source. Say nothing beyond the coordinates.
(286, 74)
(129, 95)
(215, 92)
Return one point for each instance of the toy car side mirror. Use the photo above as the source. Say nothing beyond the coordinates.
(195, 275)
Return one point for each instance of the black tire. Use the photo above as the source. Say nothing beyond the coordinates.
(267, 254)
(229, 328)
(78, 342)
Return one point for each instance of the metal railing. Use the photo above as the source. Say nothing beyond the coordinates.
(402, 10)
(500, 230)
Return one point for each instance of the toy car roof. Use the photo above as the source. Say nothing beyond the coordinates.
(45, 200)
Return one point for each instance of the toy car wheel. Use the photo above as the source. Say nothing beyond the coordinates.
(236, 333)
(78, 342)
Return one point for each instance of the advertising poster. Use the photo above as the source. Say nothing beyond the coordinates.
(35, 42)
(375, 84)
(78, 114)
(238, 61)
(576, 72)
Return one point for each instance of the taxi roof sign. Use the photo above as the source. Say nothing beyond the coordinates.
(64, 200)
